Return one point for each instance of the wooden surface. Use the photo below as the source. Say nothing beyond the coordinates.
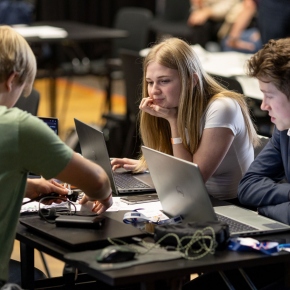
(84, 100)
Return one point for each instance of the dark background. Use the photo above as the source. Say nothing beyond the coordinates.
(99, 12)
(96, 12)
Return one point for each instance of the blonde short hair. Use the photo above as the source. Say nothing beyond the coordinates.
(16, 56)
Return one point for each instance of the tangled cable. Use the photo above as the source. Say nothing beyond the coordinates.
(50, 214)
(198, 245)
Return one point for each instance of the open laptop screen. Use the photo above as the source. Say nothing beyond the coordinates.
(51, 122)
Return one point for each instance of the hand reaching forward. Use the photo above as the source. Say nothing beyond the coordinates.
(100, 206)
(126, 163)
(40, 187)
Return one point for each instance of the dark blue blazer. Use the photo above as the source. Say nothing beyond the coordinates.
(266, 183)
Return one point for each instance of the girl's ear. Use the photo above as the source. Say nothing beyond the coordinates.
(9, 82)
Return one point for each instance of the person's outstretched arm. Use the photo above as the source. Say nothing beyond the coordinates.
(90, 178)
(243, 20)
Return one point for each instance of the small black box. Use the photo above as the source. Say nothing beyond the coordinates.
(74, 221)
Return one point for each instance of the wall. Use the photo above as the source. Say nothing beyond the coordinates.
(99, 12)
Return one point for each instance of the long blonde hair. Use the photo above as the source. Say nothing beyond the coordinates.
(195, 96)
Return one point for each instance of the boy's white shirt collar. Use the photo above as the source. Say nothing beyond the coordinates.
(288, 133)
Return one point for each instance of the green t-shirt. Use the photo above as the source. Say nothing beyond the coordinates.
(27, 144)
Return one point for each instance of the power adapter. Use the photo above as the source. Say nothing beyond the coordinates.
(75, 221)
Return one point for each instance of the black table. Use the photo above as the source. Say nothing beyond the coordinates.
(146, 275)
(77, 32)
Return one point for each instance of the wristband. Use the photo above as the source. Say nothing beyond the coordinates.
(106, 199)
(176, 141)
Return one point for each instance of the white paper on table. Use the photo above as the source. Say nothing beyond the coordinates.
(250, 87)
(119, 205)
(225, 63)
(44, 31)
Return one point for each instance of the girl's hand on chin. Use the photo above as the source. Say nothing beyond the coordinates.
(146, 103)
(160, 112)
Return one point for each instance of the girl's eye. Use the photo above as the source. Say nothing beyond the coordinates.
(160, 82)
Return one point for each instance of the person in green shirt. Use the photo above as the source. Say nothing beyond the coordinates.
(29, 145)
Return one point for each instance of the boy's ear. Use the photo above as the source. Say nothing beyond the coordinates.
(11, 79)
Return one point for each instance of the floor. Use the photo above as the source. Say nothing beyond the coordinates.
(86, 102)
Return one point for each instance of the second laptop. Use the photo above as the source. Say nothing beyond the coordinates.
(93, 147)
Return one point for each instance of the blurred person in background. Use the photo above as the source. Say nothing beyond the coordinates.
(207, 17)
(255, 24)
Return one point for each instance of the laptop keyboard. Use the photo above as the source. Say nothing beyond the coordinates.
(128, 181)
(235, 226)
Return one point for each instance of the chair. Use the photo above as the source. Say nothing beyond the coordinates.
(264, 140)
(136, 21)
(29, 103)
(261, 119)
(229, 82)
(15, 273)
(133, 72)
(173, 20)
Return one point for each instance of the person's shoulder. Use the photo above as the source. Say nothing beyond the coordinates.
(225, 109)
(224, 102)
(13, 114)
(9, 111)
(21, 119)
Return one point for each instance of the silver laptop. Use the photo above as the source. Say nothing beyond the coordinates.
(181, 191)
(93, 147)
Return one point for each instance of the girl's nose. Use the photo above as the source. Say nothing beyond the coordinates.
(155, 89)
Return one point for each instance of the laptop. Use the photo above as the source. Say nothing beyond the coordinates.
(181, 191)
(93, 147)
(135, 199)
(52, 123)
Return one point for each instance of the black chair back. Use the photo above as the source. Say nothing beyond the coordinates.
(136, 21)
(264, 140)
(229, 82)
(176, 10)
(172, 21)
(133, 72)
(30, 103)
